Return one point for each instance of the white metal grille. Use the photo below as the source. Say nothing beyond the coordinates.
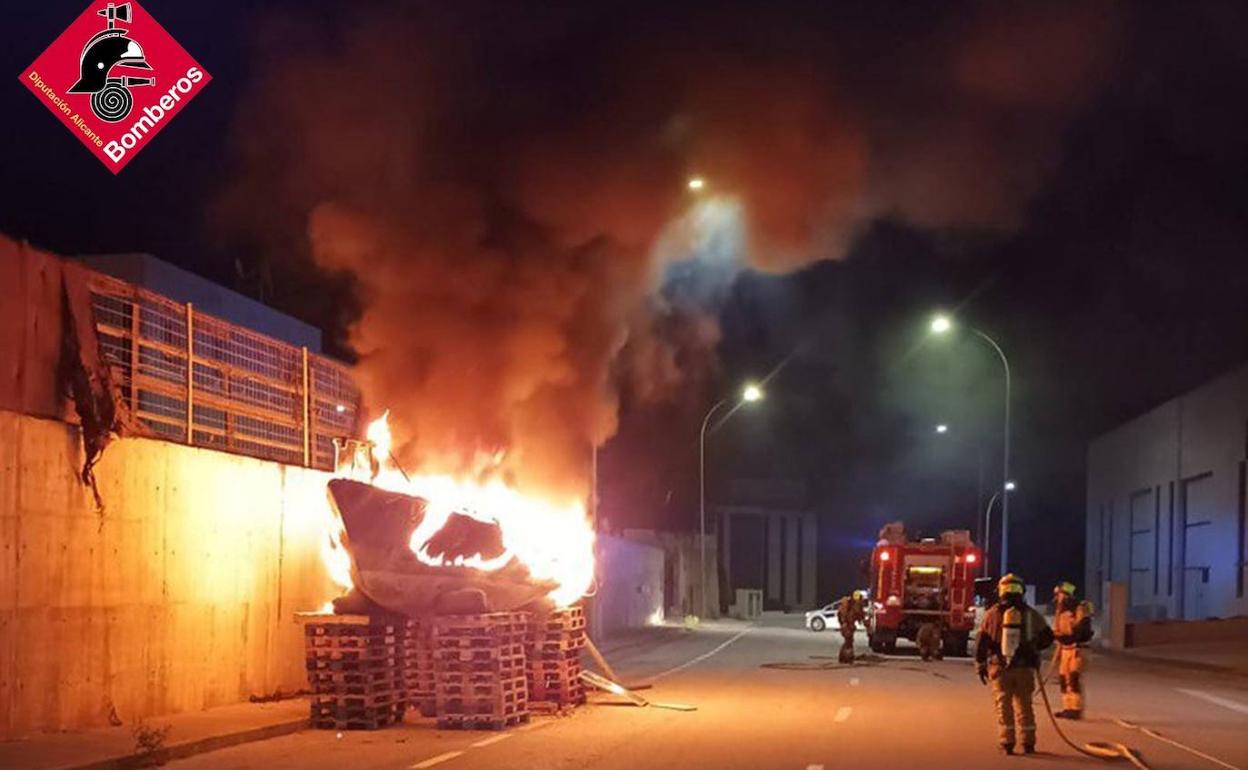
(247, 393)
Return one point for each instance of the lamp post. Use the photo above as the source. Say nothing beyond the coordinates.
(1008, 487)
(942, 324)
(749, 394)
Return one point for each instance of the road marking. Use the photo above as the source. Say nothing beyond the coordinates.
(491, 741)
(698, 659)
(842, 714)
(1158, 736)
(439, 759)
(1225, 703)
(854, 681)
(534, 726)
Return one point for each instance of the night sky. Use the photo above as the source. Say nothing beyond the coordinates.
(1083, 203)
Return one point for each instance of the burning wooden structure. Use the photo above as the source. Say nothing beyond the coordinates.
(388, 575)
(457, 628)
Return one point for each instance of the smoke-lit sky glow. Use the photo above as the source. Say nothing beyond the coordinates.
(490, 205)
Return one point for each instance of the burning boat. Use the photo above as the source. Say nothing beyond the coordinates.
(436, 545)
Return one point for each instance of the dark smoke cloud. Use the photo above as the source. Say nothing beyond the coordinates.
(503, 189)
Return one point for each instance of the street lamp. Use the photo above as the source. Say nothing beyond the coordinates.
(1009, 486)
(696, 183)
(942, 324)
(749, 394)
(942, 428)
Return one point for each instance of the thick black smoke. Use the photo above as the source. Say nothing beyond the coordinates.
(502, 188)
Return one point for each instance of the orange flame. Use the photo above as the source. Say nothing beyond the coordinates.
(555, 542)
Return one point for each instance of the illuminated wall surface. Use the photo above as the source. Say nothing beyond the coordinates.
(630, 593)
(1166, 505)
(179, 596)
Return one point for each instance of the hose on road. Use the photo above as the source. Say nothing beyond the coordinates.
(1158, 736)
(1098, 749)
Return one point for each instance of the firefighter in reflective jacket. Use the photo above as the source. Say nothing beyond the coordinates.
(1007, 654)
(930, 638)
(1072, 626)
(849, 613)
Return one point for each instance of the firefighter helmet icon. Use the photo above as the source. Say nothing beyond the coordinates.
(112, 47)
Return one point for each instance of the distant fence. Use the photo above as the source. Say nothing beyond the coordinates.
(246, 392)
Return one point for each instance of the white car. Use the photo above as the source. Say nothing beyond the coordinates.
(824, 617)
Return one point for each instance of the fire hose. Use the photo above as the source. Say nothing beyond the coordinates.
(1117, 750)
(1098, 749)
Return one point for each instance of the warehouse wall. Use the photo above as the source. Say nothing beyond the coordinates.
(178, 596)
(1167, 507)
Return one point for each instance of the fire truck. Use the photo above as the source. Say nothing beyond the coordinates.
(917, 581)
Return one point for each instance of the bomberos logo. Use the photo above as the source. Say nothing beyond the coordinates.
(117, 82)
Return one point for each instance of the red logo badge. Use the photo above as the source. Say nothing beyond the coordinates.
(115, 78)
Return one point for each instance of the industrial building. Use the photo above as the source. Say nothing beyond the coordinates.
(1166, 505)
(769, 542)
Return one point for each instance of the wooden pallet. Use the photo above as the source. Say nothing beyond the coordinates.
(553, 667)
(515, 684)
(328, 677)
(480, 722)
(356, 719)
(354, 672)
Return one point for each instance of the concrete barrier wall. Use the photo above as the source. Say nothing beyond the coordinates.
(178, 596)
(1227, 629)
(630, 591)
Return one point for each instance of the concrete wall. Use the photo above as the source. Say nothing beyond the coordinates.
(177, 597)
(30, 330)
(682, 581)
(1229, 629)
(1166, 507)
(630, 588)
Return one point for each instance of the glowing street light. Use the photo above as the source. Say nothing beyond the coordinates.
(696, 183)
(941, 324)
(942, 428)
(750, 394)
(1009, 486)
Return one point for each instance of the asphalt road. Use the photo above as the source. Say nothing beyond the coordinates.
(806, 712)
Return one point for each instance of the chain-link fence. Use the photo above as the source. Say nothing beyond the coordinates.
(246, 393)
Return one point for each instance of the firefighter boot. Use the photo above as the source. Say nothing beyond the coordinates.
(1071, 673)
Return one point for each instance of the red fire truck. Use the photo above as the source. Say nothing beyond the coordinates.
(916, 581)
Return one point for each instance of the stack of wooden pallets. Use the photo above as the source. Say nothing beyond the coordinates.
(355, 672)
(479, 671)
(416, 653)
(554, 663)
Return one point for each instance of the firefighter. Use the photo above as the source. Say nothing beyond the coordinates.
(930, 638)
(1072, 626)
(1007, 654)
(849, 613)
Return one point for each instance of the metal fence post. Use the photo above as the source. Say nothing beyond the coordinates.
(135, 330)
(307, 411)
(190, 374)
